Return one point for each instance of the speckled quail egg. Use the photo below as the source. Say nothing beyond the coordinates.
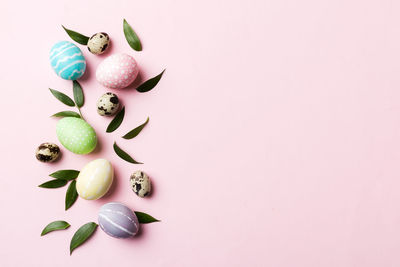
(98, 43)
(47, 152)
(107, 104)
(140, 183)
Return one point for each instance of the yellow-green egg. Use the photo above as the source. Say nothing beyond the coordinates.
(76, 135)
(95, 179)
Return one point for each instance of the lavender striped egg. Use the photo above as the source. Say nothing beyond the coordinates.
(117, 220)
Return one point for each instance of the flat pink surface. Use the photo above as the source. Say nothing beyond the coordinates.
(274, 135)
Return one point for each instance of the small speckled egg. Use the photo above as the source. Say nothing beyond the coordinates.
(95, 179)
(140, 183)
(67, 60)
(117, 220)
(107, 104)
(98, 43)
(47, 152)
(117, 71)
(76, 135)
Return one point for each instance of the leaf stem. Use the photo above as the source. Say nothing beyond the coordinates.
(80, 113)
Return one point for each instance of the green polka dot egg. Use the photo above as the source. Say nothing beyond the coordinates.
(76, 135)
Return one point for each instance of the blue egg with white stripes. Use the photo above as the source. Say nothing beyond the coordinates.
(67, 60)
(117, 220)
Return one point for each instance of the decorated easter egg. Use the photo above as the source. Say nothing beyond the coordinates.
(67, 60)
(117, 71)
(95, 179)
(76, 135)
(117, 220)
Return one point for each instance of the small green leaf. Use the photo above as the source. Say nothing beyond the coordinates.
(135, 131)
(53, 226)
(76, 36)
(123, 155)
(71, 195)
(145, 218)
(80, 236)
(66, 114)
(78, 94)
(116, 122)
(131, 37)
(63, 97)
(65, 174)
(56, 183)
(150, 83)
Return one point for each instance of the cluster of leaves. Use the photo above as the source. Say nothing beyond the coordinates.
(78, 97)
(62, 177)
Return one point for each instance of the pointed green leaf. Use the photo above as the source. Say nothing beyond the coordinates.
(65, 174)
(150, 83)
(123, 155)
(116, 122)
(53, 226)
(145, 218)
(66, 114)
(71, 195)
(78, 94)
(76, 36)
(135, 131)
(131, 37)
(56, 183)
(63, 97)
(80, 236)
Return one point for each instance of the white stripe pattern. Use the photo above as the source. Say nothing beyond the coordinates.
(68, 48)
(75, 71)
(70, 65)
(116, 225)
(121, 213)
(66, 58)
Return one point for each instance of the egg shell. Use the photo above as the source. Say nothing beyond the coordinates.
(117, 71)
(95, 179)
(67, 60)
(76, 135)
(117, 220)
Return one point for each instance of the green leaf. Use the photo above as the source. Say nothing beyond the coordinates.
(116, 122)
(63, 97)
(56, 183)
(135, 131)
(66, 114)
(131, 37)
(65, 174)
(150, 83)
(71, 195)
(78, 94)
(80, 236)
(145, 218)
(76, 36)
(123, 155)
(53, 226)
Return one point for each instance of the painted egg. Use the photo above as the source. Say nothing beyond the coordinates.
(95, 179)
(140, 183)
(117, 220)
(117, 71)
(67, 60)
(47, 152)
(108, 104)
(76, 135)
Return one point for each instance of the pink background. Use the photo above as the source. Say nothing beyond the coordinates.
(274, 135)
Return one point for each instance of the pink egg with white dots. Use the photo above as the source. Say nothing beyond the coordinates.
(117, 71)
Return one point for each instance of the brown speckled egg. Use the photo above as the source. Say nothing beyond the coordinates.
(108, 104)
(47, 152)
(98, 43)
(140, 183)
